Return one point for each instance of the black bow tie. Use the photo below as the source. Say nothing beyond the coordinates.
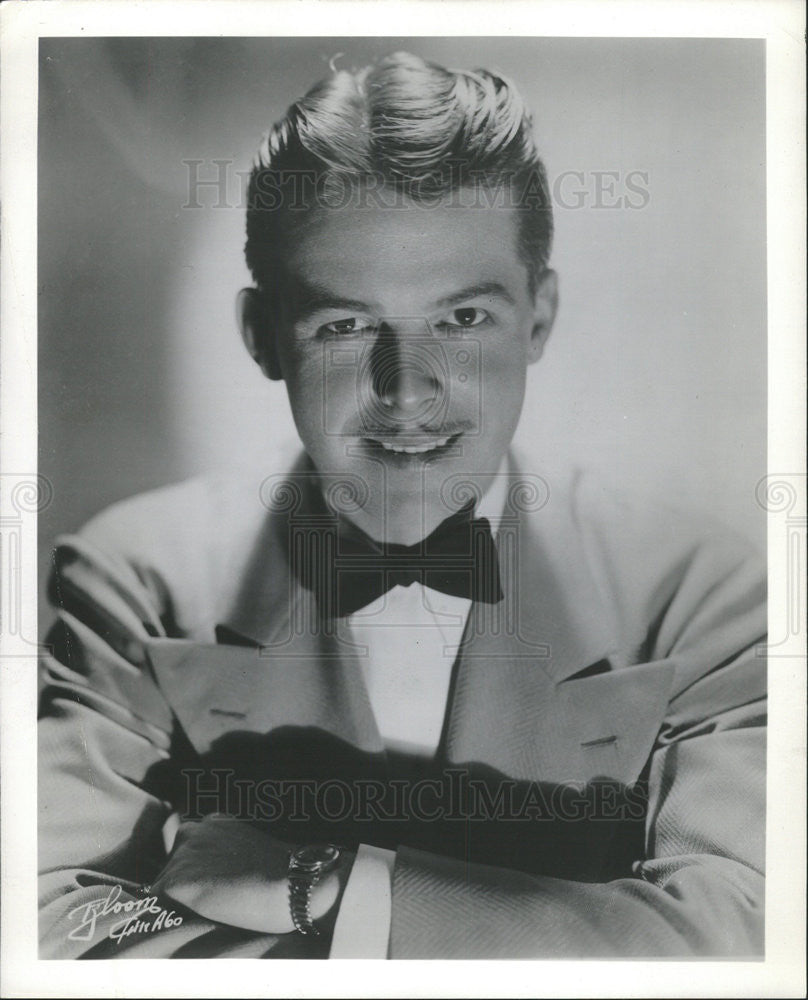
(459, 558)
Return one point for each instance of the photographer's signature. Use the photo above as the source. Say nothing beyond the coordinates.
(138, 916)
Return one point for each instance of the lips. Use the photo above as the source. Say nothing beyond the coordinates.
(413, 446)
(416, 449)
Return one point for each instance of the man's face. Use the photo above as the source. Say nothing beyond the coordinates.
(404, 341)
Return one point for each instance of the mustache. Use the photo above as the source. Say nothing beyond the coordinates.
(398, 429)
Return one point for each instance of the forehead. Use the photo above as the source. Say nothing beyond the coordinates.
(404, 257)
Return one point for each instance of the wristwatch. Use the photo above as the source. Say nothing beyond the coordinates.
(306, 866)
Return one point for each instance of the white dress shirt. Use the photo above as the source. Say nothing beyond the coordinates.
(408, 640)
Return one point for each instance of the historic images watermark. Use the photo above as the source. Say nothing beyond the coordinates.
(454, 795)
(783, 497)
(446, 361)
(216, 183)
(25, 496)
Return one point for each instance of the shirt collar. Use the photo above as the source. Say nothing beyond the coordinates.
(492, 503)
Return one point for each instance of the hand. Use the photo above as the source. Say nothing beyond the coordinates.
(232, 872)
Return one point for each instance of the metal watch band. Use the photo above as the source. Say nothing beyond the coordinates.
(306, 867)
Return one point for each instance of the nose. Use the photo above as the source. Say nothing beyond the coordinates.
(405, 372)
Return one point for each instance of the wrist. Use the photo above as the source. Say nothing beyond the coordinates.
(327, 893)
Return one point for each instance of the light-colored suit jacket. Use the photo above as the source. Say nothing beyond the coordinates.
(626, 650)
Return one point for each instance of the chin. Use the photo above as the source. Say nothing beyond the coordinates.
(405, 521)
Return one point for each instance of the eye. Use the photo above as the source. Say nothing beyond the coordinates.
(466, 317)
(349, 327)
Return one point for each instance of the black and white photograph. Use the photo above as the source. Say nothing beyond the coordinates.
(403, 501)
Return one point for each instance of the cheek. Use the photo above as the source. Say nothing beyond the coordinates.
(302, 370)
(302, 373)
(322, 397)
(503, 379)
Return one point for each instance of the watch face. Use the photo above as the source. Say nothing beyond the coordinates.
(316, 856)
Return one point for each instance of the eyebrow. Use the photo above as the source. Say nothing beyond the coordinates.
(310, 298)
(485, 289)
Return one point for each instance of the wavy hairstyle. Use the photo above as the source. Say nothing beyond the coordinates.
(402, 125)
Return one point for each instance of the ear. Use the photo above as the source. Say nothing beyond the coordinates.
(256, 332)
(545, 306)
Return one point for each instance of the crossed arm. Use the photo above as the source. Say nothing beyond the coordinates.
(106, 732)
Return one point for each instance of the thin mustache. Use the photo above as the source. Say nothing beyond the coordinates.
(362, 427)
(394, 433)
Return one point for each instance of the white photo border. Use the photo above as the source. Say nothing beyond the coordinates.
(781, 23)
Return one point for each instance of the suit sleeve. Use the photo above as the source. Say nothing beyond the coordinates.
(105, 736)
(699, 888)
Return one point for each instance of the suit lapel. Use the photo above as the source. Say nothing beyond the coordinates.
(215, 690)
(537, 695)
(291, 670)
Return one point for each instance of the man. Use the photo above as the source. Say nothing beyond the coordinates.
(402, 696)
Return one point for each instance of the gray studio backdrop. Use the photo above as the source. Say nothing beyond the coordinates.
(655, 372)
